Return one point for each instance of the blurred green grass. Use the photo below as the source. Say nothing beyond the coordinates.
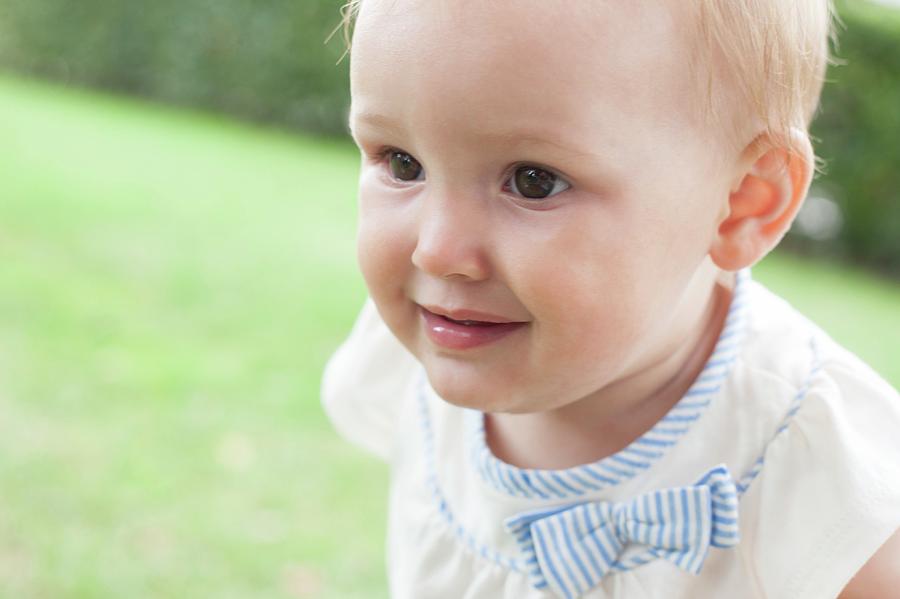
(170, 288)
(171, 285)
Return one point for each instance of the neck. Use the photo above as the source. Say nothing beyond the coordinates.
(609, 419)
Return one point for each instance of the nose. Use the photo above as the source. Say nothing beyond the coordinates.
(451, 240)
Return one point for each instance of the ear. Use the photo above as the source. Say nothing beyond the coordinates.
(771, 184)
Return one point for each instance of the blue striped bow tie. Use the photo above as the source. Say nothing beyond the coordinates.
(571, 548)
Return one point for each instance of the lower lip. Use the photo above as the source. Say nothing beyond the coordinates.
(454, 335)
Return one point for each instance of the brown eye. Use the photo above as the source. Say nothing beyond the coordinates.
(404, 166)
(536, 183)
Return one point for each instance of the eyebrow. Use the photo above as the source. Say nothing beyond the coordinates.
(517, 137)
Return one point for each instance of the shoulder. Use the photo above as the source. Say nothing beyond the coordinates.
(865, 398)
(365, 381)
(782, 344)
(828, 492)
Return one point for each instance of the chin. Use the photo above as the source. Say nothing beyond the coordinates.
(459, 392)
(467, 390)
(475, 393)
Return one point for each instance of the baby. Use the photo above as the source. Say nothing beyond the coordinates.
(578, 387)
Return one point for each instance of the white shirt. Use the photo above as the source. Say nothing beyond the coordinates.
(809, 433)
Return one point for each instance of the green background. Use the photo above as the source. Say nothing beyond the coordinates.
(170, 288)
(172, 282)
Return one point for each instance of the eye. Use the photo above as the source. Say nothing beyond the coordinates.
(535, 183)
(403, 166)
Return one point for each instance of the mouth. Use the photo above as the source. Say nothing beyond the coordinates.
(465, 329)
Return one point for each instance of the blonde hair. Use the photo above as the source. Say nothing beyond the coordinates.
(772, 53)
(348, 16)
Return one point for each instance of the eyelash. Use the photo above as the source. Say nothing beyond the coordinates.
(382, 154)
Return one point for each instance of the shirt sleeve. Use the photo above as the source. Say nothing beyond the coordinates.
(830, 489)
(364, 383)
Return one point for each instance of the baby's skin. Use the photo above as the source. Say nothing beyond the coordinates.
(548, 221)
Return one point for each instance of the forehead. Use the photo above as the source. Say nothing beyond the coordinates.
(471, 65)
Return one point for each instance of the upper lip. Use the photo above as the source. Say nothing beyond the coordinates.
(465, 314)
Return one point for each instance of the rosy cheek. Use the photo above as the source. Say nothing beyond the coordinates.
(374, 252)
(385, 242)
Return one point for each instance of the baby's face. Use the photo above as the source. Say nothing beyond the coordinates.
(539, 162)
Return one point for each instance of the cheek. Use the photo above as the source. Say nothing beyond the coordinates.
(579, 283)
(589, 286)
(383, 246)
(591, 310)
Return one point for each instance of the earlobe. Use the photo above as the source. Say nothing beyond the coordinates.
(767, 197)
